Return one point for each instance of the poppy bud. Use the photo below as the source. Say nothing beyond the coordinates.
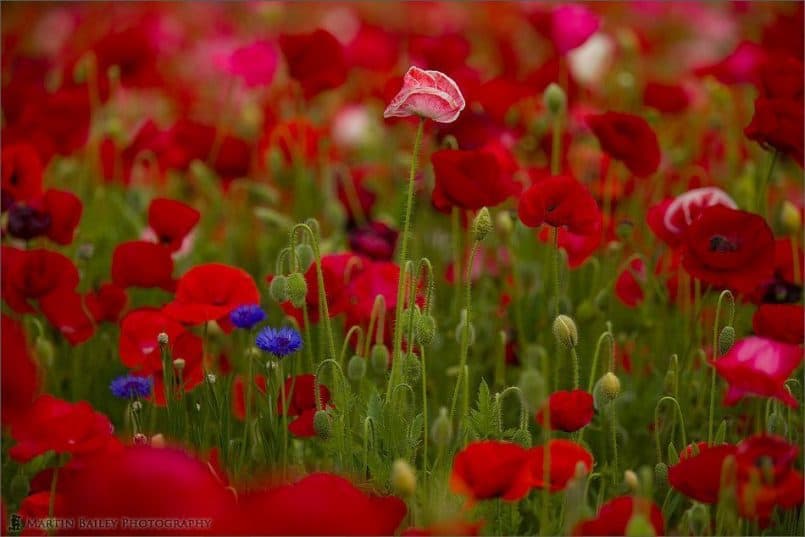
(522, 437)
(504, 222)
(606, 390)
(726, 339)
(409, 317)
(623, 230)
(305, 255)
(482, 224)
(534, 355)
(85, 251)
(297, 289)
(412, 368)
(639, 526)
(790, 217)
(442, 430)
(464, 326)
(661, 474)
(565, 331)
(554, 99)
(20, 486)
(321, 424)
(403, 478)
(630, 478)
(532, 389)
(425, 329)
(179, 364)
(602, 299)
(379, 358)
(211, 378)
(44, 350)
(162, 339)
(586, 311)
(356, 367)
(278, 289)
(449, 142)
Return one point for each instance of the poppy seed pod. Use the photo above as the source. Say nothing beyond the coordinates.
(482, 224)
(554, 99)
(297, 289)
(441, 431)
(726, 339)
(321, 424)
(305, 255)
(403, 478)
(278, 289)
(425, 329)
(565, 331)
(379, 358)
(532, 389)
(356, 367)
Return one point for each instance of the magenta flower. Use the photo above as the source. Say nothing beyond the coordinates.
(256, 63)
(571, 26)
(428, 94)
(759, 366)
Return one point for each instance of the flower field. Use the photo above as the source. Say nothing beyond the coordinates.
(426, 268)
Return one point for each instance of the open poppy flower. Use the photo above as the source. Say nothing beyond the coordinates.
(171, 221)
(427, 94)
(729, 248)
(613, 517)
(64, 209)
(142, 264)
(210, 292)
(315, 60)
(374, 240)
(569, 410)
(22, 173)
(627, 138)
(491, 469)
(318, 504)
(300, 393)
(564, 457)
(255, 63)
(759, 366)
(671, 218)
(780, 322)
(699, 476)
(667, 98)
(106, 303)
(560, 201)
(19, 373)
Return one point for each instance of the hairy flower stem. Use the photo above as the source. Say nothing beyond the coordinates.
(409, 202)
(613, 431)
(574, 360)
(657, 424)
(711, 414)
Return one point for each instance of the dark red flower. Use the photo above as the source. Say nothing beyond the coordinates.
(142, 264)
(315, 60)
(22, 172)
(106, 303)
(27, 222)
(781, 77)
(210, 292)
(780, 322)
(491, 469)
(579, 247)
(564, 457)
(64, 209)
(614, 516)
(569, 410)
(300, 399)
(64, 309)
(374, 240)
(699, 476)
(667, 98)
(627, 138)
(670, 218)
(629, 284)
(53, 424)
(729, 248)
(19, 375)
(499, 95)
(171, 221)
(373, 48)
(778, 124)
(560, 201)
(759, 366)
(356, 196)
(239, 394)
(473, 179)
(318, 504)
(33, 275)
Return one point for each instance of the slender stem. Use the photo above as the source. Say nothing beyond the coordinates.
(556, 145)
(711, 413)
(657, 424)
(555, 256)
(465, 335)
(424, 415)
(614, 439)
(574, 359)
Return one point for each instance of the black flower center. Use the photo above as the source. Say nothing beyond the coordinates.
(719, 243)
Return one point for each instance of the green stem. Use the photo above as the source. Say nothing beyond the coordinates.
(711, 414)
(614, 439)
(657, 424)
(574, 358)
(555, 256)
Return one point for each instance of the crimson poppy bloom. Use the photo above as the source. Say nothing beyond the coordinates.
(374, 240)
(64, 209)
(780, 322)
(60, 426)
(578, 247)
(106, 303)
(142, 264)
(171, 221)
(629, 284)
(239, 394)
(569, 410)
(491, 469)
(759, 366)
(614, 516)
(627, 138)
(64, 309)
(667, 98)
(699, 476)
(778, 124)
(210, 292)
(318, 504)
(19, 375)
(473, 179)
(729, 248)
(300, 394)
(560, 201)
(22, 172)
(670, 218)
(565, 456)
(315, 60)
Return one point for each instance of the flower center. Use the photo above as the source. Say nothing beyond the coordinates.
(719, 243)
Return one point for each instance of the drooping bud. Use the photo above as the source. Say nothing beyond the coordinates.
(163, 339)
(321, 424)
(425, 329)
(313, 224)
(441, 431)
(554, 99)
(211, 378)
(532, 389)
(403, 478)
(565, 331)
(305, 255)
(606, 390)
(630, 478)
(482, 224)
(522, 437)
(586, 311)
(412, 368)
(379, 358)
(776, 424)
(297, 289)
(726, 339)
(356, 368)
(278, 289)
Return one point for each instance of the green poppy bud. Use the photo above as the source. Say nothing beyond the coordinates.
(403, 478)
(379, 358)
(278, 288)
(726, 339)
(565, 331)
(297, 289)
(532, 389)
(639, 526)
(606, 390)
(305, 255)
(321, 424)
(425, 329)
(482, 224)
(661, 474)
(554, 99)
(441, 432)
(356, 367)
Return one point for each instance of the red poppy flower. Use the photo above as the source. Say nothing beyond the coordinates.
(19, 375)
(560, 201)
(239, 394)
(729, 248)
(497, 96)
(64, 209)
(667, 98)
(741, 66)
(578, 247)
(53, 424)
(670, 218)
(374, 240)
(34, 274)
(629, 285)
(318, 504)
(142, 264)
(780, 322)
(254, 63)
(614, 516)
(145, 483)
(315, 60)
(64, 309)
(759, 366)
(171, 221)
(22, 172)
(210, 292)
(778, 124)
(106, 303)
(373, 48)
(473, 179)
(699, 476)
(301, 402)
(627, 138)
(569, 410)
(491, 469)
(781, 77)
(357, 300)
(565, 456)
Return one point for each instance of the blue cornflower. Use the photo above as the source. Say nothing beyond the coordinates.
(131, 386)
(247, 316)
(279, 342)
